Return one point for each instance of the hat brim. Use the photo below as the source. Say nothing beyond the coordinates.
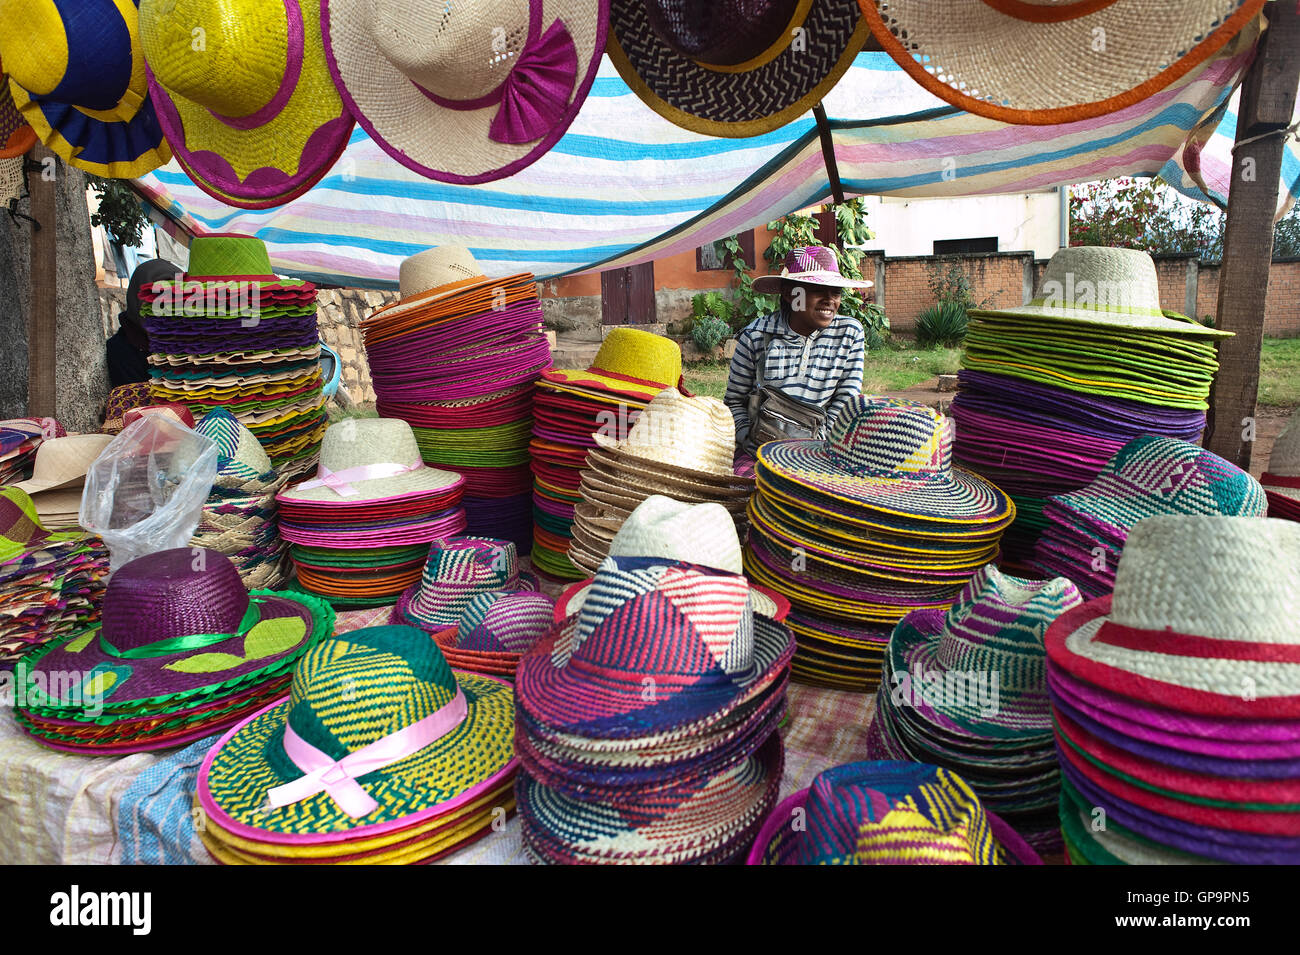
(605, 385)
(420, 481)
(772, 283)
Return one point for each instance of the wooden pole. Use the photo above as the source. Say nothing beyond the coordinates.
(832, 167)
(1267, 99)
(42, 320)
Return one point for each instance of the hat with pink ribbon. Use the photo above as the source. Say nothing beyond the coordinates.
(377, 734)
(810, 265)
(465, 92)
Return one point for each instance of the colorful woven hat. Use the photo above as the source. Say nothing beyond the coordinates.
(1201, 620)
(59, 475)
(810, 265)
(893, 456)
(886, 813)
(629, 362)
(16, 134)
(1058, 61)
(735, 68)
(78, 77)
(503, 623)
(252, 112)
(467, 93)
(459, 569)
(177, 624)
(376, 735)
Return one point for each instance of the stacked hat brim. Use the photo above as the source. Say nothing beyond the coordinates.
(457, 363)
(209, 335)
(19, 440)
(59, 477)
(1282, 478)
(50, 584)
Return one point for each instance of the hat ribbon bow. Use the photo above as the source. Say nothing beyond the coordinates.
(341, 481)
(536, 93)
(338, 778)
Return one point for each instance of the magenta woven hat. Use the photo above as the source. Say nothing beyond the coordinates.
(504, 622)
(810, 265)
(459, 569)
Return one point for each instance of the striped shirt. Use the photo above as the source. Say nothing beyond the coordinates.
(824, 368)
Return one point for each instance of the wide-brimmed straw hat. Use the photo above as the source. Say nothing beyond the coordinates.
(59, 476)
(434, 269)
(77, 75)
(377, 734)
(810, 265)
(1203, 619)
(736, 67)
(629, 362)
(1052, 61)
(680, 435)
(887, 813)
(180, 622)
(466, 92)
(252, 112)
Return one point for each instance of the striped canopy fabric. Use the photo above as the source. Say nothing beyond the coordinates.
(624, 186)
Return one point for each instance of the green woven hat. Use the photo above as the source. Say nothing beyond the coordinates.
(377, 733)
(223, 254)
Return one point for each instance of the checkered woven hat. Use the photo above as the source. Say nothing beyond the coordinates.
(504, 623)
(458, 569)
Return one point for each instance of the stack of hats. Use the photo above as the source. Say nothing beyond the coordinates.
(456, 358)
(1282, 479)
(240, 518)
(59, 476)
(647, 728)
(1053, 389)
(482, 612)
(182, 651)
(233, 335)
(50, 584)
(570, 407)
(888, 813)
(19, 440)
(360, 530)
(1177, 699)
(380, 754)
(680, 447)
(1086, 530)
(864, 527)
(968, 691)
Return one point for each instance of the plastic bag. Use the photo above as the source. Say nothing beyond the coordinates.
(145, 492)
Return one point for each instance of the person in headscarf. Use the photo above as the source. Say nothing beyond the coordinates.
(128, 348)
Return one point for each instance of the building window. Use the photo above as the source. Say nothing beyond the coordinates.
(965, 246)
(713, 258)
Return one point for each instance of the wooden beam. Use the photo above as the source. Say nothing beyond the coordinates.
(42, 319)
(1267, 100)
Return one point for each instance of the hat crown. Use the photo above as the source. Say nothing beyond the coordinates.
(67, 458)
(504, 623)
(1226, 578)
(356, 442)
(1172, 475)
(457, 569)
(725, 32)
(239, 453)
(1284, 459)
(351, 690)
(229, 56)
(460, 51)
(228, 255)
(434, 268)
(812, 258)
(697, 432)
(891, 437)
(638, 354)
(662, 527)
(999, 623)
(173, 593)
(77, 53)
(1104, 279)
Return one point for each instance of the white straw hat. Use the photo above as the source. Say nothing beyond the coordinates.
(701, 534)
(434, 268)
(62, 463)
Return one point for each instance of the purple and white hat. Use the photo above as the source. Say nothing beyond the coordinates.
(810, 265)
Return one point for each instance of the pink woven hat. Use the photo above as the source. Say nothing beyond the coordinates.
(459, 569)
(684, 628)
(810, 265)
(1202, 620)
(504, 622)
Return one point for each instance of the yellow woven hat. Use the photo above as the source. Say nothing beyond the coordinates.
(244, 95)
(630, 362)
(78, 77)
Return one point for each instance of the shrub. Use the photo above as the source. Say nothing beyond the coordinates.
(708, 332)
(942, 324)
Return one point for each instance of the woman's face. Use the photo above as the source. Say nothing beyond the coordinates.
(815, 305)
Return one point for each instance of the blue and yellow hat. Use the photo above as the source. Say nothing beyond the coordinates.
(77, 75)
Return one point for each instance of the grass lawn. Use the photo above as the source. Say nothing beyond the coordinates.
(1279, 373)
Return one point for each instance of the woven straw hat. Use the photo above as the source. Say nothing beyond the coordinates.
(467, 92)
(681, 434)
(181, 622)
(430, 270)
(702, 534)
(1283, 474)
(16, 136)
(1052, 61)
(352, 695)
(629, 362)
(458, 569)
(810, 265)
(1202, 619)
(733, 67)
(503, 623)
(887, 813)
(13, 182)
(63, 463)
(369, 459)
(251, 112)
(77, 75)
(1106, 287)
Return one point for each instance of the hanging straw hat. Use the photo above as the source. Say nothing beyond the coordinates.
(467, 92)
(1043, 62)
(77, 75)
(736, 67)
(251, 112)
(16, 134)
(1202, 620)
(809, 265)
